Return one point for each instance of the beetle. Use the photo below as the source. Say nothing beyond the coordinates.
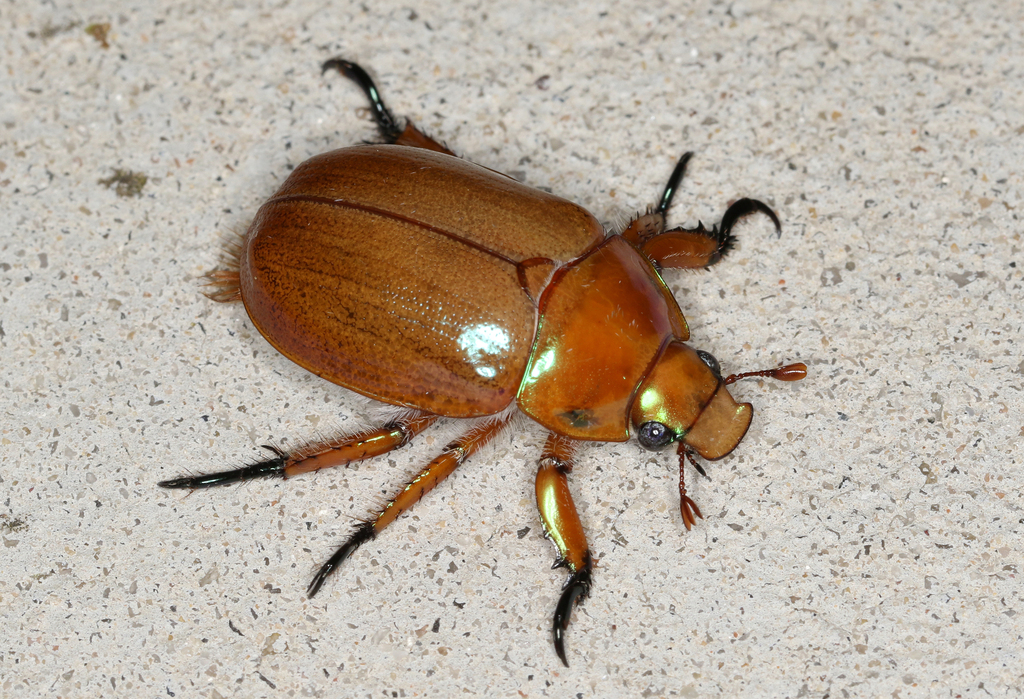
(419, 279)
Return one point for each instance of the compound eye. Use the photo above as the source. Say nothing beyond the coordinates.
(654, 436)
(710, 360)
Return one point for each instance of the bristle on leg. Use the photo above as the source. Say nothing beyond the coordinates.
(224, 285)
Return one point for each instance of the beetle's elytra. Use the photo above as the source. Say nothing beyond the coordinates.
(419, 279)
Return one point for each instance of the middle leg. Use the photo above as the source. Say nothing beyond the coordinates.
(436, 471)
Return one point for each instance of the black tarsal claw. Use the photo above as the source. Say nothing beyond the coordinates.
(268, 468)
(745, 207)
(386, 121)
(576, 589)
(359, 537)
(673, 183)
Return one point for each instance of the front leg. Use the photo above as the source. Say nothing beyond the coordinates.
(563, 527)
(688, 248)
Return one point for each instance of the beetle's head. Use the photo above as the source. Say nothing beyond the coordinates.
(684, 398)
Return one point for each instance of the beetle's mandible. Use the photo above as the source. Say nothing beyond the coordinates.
(416, 278)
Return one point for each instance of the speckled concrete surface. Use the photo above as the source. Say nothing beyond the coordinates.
(864, 540)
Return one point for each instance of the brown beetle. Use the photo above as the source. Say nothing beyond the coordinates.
(419, 279)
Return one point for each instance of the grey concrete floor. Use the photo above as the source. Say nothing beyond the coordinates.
(864, 539)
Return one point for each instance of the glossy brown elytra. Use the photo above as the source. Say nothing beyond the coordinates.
(419, 279)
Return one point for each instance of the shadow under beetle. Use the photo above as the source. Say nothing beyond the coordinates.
(416, 278)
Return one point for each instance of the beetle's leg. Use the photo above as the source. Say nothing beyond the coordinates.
(359, 446)
(412, 136)
(695, 248)
(335, 452)
(408, 135)
(436, 471)
(689, 248)
(563, 527)
(687, 507)
(643, 228)
(386, 121)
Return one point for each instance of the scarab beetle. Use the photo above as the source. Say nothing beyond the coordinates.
(411, 276)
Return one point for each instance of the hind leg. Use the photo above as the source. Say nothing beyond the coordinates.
(408, 135)
(334, 452)
(453, 456)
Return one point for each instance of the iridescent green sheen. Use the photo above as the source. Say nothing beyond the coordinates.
(603, 320)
